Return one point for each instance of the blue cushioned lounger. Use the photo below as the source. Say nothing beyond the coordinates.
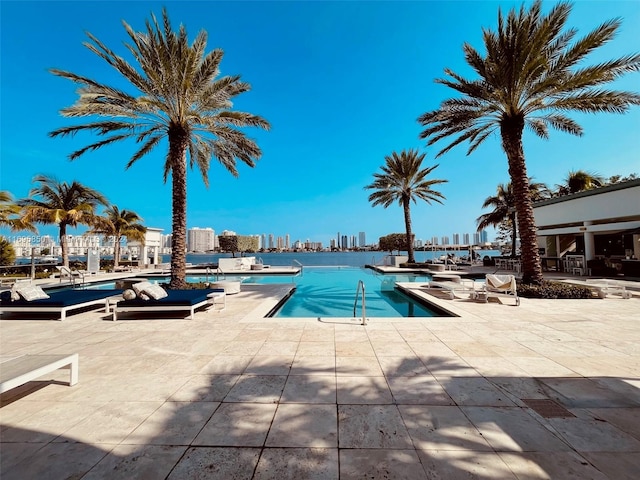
(189, 300)
(59, 302)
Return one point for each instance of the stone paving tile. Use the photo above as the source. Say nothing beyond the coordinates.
(58, 460)
(14, 453)
(257, 388)
(391, 464)
(418, 390)
(111, 423)
(551, 465)
(174, 423)
(304, 425)
(441, 428)
(625, 419)
(465, 465)
(270, 364)
(363, 366)
(591, 435)
(227, 364)
(137, 461)
(402, 366)
(216, 463)
(372, 426)
(513, 429)
(615, 465)
(309, 389)
(363, 390)
(297, 464)
(475, 391)
(313, 365)
(237, 425)
(205, 388)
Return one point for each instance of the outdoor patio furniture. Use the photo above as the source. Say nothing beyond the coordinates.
(176, 300)
(16, 371)
(59, 302)
(501, 286)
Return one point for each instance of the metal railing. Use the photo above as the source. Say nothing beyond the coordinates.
(364, 302)
(217, 273)
(296, 263)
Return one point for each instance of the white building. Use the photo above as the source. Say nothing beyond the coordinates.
(602, 223)
(200, 239)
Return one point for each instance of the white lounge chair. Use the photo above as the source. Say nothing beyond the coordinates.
(606, 287)
(501, 286)
(25, 368)
(452, 284)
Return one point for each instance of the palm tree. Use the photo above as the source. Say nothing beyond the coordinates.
(504, 210)
(533, 72)
(10, 214)
(118, 224)
(579, 181)
(181, 100)
(66, 205)
(402, 180)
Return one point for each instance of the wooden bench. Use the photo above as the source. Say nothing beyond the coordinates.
(17, 371)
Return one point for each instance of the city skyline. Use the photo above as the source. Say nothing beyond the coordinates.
(342, 84)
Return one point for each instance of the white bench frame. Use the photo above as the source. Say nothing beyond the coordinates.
(54, 309)
(20, 370)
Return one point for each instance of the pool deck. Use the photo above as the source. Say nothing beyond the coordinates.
(546, 390)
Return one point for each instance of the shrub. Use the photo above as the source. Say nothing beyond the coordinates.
(554, 290)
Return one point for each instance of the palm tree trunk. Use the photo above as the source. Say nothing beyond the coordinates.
(116, 252)
(511, 131)
(64, 244)
(178, 141)
(407, 222)
(514, 234)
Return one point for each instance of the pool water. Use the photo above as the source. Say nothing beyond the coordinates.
(331, 292)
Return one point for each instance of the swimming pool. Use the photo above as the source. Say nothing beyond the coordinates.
(331, 292)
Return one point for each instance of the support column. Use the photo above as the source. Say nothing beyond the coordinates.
(589, 244)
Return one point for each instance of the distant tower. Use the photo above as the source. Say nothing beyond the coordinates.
(362, 240)
(465, 239)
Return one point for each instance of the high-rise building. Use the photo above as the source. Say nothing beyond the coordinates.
(456, 239)
(434, 240)
(287, 242)
(271, 245)
(476, 238)
(445, 240)
(362, 239)
(484, 236)
(200, 239)
(465, 239)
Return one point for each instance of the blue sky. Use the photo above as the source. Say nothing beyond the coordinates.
(342, 84)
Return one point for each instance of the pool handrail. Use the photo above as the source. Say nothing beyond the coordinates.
(364, 302)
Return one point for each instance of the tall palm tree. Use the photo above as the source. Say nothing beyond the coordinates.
(404, 182)
(11, 214)
(180, 100)
(579, 181)
(61, 203)
(504, 209)
(533, 72)
(118, 224)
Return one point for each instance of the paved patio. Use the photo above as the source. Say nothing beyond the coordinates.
(232, 395)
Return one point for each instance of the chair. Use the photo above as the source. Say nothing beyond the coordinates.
(501, 286)
(25, 368)
(176, 300)
(59, 302)
(452, 284)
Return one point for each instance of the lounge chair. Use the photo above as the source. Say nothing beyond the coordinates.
(501, 286)
(176, 300)
(604, 287)
(452, 284)
(59, 302)
(16, 371)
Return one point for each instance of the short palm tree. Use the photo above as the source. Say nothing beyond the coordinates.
(118, 224)
(533, 72)
(181, 100)
(63, 204)
(403, 181)
(579, 181)
(11, 214)
(503, 204)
